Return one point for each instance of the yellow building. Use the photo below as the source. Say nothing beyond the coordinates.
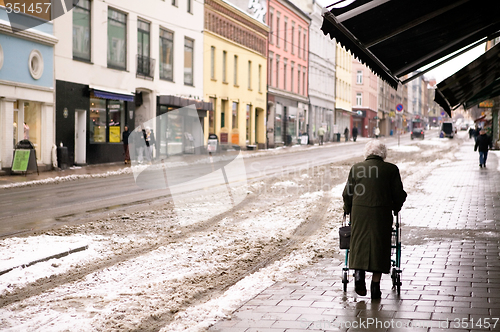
(343, 97)
(235, 75)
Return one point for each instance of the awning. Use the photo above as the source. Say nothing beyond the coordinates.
(183, 102)
(395, 38)
(114, 95)
(478, 81)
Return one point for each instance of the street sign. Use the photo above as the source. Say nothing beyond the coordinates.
(399, 108)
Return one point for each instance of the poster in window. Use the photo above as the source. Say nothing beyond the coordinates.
(114, 134)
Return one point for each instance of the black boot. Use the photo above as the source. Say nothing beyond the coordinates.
(375, 290)
(359, 282)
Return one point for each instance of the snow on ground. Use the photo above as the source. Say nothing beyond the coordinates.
(145, 283)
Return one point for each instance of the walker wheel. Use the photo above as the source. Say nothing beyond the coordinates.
(345, 281)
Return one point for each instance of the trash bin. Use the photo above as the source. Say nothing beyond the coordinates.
(304, 139)
(62, 157)
(391, 132)
(338, 137)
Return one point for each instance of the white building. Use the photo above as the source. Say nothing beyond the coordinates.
(123, 62)
(322, 73)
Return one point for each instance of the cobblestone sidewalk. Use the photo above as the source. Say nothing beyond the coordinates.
(450, 262)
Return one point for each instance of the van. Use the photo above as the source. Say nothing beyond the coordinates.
(448, 129)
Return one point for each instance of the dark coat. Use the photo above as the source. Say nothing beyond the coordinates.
(372, 192)
(483, 142)
(125, 136)
(355, 131)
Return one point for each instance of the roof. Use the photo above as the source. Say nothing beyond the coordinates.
(395, 38)
(478, 81)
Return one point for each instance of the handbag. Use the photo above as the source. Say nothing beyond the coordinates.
(345, 234)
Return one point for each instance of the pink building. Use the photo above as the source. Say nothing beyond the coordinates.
(364, 99)
(287, 72)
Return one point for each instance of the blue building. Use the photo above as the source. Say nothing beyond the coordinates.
(26, 90)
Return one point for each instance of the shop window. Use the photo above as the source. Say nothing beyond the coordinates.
(107, 119)
(249, 109)
(211, 116)
(81, 30)
(32, 125)
(235, 115)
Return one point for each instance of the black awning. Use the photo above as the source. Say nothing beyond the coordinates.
(477, 81)
(183, 102)
(395, 38)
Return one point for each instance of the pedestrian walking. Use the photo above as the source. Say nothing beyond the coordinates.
(476, 132)
(471, 132)
(354, 133)
(125, 136)
(373, 192)
(377, 132)
(483, 142)
(346, 134)
(321, 134)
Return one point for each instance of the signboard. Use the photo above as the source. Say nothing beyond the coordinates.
(399, 108)
(486, 104)
(114, 134)
(21, 159)
(224, 137)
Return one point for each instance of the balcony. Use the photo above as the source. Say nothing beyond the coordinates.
(145, 67)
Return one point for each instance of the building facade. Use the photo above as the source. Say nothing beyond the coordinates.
(364, 99)
(343, 87)
(288, 61)
(321, 75)
(125, 63)
(26, 90)
(235, 74)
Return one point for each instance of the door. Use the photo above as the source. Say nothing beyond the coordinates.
(80, 137)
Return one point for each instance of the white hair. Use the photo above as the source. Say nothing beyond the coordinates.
(375, 147)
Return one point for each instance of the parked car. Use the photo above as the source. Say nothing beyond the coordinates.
(464, 126)
(417, 132)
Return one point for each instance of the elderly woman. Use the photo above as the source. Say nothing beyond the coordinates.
(372, 193)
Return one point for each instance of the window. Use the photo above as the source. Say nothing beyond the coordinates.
(277, 71)
(298, 44)
(359, 99)
(223, 108)
(271, 59)
(211, 116)
(293, 37)
(249, 110)
(107, 119)
(285, 61)
(188, 61)
(285, 33)
(271, 31)
(224, 66)
(304, 81)
(166, 55)
(235, 115)
(249, 75)
(359, 77)
(212, 62)
(298, 79)
(174, 3)
(143, 37)
(260, 78)
(291, 76)
(278, 30)
(81, 30)
(117, 39)
(190, 6)
(304, 48)
(235, 70)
